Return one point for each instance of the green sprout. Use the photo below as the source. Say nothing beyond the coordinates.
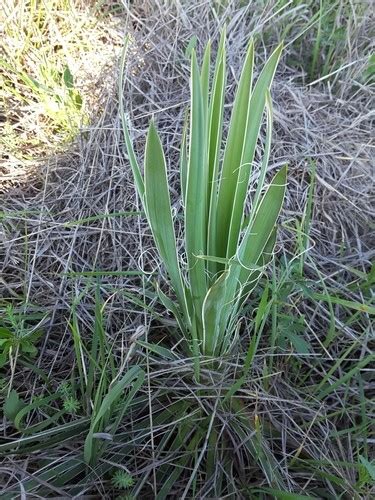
(65, 390)
(17, 336)
(122, 480)
(71, 405)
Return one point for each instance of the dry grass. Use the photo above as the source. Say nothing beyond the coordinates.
(44, 239)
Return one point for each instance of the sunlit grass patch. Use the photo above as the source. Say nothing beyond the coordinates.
(51, 63)
(321, 34)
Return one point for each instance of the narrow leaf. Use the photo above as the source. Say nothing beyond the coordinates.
(159, 214)
(134, 377)
(205, 79)
(253, 122)
(183, 161)
(232, 155)
(215, 132)
(129, 146)
(258, 233)
(196, 192)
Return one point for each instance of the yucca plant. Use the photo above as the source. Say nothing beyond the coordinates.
(228, 238)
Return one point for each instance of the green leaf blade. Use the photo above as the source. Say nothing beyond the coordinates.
(253, 123)
(215, 132)
(233, 151)
(196, 192)
(159, 213)
(258, 233)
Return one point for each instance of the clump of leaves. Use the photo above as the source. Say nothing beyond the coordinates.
(70, 402)
(122, 480)
(65, 389)
(71, 405)
(229, 239)
(227, 246)
(17, 335)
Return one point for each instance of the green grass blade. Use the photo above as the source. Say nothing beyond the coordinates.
(281, 495)
(46, 438)
(184, 441)
(257, 446)
(129, 146)
(94, 218)
(254, 342)
(171, 306)
(351, 373)
(316, 49)
(161, 351)
(96, 361)
(306, 219)
(350, 304)
(134, 377)
(78, 350)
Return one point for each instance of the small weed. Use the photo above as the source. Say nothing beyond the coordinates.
(66, 390)
(122, 480)
(18, 335)
(71, 405)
